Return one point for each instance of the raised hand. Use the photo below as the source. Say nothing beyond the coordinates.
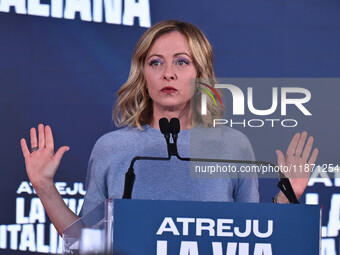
(41, 165)
(298, 163)
(41, 161)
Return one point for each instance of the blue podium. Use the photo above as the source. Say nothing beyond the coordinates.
(131, 227)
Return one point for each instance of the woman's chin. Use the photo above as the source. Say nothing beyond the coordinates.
(171, 106)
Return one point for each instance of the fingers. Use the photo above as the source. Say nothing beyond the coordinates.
(308, 148)
(303, 150)
(313, 157)
(34, 140)
(45, 137)
(293, 144)
(280, 158)
(60, 153)
(297, 146)
(301, 144)
(49, 138)
(41, 132)
(24, 148)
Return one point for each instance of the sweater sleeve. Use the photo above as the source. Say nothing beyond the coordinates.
(95, 185)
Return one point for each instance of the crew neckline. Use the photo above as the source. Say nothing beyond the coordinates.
(147, 126)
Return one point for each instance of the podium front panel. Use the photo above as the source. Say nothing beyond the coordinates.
(181, 227)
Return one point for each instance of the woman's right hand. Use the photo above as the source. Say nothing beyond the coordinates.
(41, 165)
(42, 162)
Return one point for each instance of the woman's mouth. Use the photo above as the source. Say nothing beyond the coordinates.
(168, 90)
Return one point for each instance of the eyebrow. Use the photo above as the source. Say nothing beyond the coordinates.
(175, 55)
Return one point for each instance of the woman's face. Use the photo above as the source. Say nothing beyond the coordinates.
(169, 67)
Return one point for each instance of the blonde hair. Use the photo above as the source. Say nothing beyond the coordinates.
(134, 107)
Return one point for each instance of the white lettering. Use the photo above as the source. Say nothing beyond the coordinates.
(312, 199)
(20, 211)
(262, 112)
(243, 248)
(185, 222)
(262, 235)
(139, 9)
(205, 224)
(37, 212)
(81, 6)
(57, 8)
(297, 101)
(328, 246)
(263, 249)
(162, 247)
(24, 188)
(334, 216)
(238, 97)
(319, 176)
(34, 7)
(165, 228)
(188, 248)
(27, 238)
(19, 6)
(246, 231)
(41, 247)
(3, 237)
(221, 227)
(13, 230)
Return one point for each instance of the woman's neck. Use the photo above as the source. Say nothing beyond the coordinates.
(181, 114)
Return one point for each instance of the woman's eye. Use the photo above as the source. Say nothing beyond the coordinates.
(155, 63)
(182, 62)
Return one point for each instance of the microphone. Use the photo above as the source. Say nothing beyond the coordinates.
(165, 128)
(175, 128)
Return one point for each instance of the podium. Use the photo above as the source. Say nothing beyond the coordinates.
(131, 227)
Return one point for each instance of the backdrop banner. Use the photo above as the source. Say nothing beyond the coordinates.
(62, 63)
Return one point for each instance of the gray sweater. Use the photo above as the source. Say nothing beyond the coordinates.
(169, 180)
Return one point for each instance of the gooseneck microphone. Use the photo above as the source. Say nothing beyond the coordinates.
(164, 126)
(173, 128)
(167, 128)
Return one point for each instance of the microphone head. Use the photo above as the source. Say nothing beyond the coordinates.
(164, 126)
(175, 126)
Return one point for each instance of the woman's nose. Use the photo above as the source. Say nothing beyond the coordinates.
(169, 73)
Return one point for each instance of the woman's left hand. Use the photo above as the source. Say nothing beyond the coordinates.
(298, 163)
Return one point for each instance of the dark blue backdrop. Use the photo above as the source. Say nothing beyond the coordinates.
(65, 73)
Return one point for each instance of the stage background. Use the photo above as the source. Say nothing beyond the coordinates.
(61, 64)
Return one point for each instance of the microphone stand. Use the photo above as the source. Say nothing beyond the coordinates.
(130, 174)
(284, 183)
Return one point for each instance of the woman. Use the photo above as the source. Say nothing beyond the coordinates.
(165, 61)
